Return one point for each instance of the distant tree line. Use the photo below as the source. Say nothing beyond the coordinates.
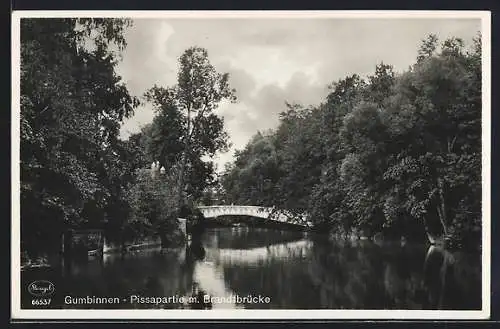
(396, 154)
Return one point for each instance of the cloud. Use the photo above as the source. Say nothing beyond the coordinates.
(239, 79)
(271, 61)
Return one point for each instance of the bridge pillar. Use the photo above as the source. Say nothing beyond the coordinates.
(183, 226)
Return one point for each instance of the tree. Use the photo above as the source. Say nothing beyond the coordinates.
(363, 137)
(72, 103)
(186, 130)
(199, 90)
(253, 179)
(440, 100)
(428, 47)
(397, 154)
(328, 201)
(153, 211)
(163, 137)
(301, 153)
(380, 84)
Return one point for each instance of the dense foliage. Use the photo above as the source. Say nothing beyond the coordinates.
(76, 172)
(74, 169)
(183, 137)
(186, 129)
(394, 153)
(153, 212)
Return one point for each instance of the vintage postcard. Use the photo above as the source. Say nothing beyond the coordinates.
(250, 165)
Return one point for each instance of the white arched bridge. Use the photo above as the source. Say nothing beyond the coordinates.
(255, 211)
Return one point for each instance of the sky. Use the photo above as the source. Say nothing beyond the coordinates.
(272, 60)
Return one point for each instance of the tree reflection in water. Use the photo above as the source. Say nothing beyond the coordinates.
(448, 280)
(199, 300)
(296, 272)
(352, 275)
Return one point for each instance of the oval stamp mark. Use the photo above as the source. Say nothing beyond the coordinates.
(41, 288)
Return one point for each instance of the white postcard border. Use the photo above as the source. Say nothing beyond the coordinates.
(23, 314)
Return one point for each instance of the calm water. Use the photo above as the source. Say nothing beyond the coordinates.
(287, 270)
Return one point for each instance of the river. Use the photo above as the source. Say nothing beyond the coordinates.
(259, 268)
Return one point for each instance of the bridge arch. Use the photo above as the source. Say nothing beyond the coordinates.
(254, 211)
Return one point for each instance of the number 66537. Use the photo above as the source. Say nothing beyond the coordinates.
(41, 301)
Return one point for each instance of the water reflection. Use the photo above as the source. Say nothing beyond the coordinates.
(295, 250)
(448, 280)
(199, 303)
(294, 271)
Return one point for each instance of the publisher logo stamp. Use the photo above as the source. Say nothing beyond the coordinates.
(41, 288)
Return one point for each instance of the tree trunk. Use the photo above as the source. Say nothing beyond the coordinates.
(180, 186)
(433, 235)
(442, 207)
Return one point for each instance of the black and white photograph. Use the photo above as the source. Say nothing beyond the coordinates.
(250, 165)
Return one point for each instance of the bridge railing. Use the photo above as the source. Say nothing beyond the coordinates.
(255, 211)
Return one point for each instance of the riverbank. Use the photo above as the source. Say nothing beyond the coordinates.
(447, 242)
(47, 261)
(110, 248)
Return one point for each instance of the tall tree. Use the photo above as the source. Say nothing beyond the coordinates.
(72, 103)
(199, 91)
